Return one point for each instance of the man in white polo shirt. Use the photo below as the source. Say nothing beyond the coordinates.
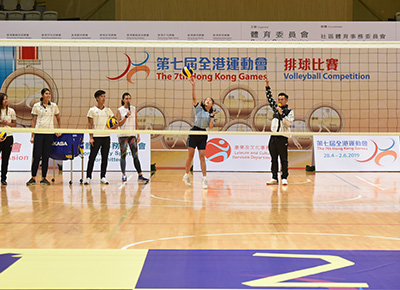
(97, 119)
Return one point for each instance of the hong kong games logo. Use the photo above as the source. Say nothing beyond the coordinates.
(379, 153)
(218, 150)
(137, 67)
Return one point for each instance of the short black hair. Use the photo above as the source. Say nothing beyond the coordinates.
(283, 94)
(99, 93)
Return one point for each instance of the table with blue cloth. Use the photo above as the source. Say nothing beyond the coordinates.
(65, 147)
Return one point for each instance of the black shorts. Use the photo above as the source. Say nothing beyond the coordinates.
(199, 141)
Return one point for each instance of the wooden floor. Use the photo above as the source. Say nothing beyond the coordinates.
(340, 211)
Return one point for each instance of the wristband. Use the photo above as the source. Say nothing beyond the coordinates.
(211, 116)
(126, 116)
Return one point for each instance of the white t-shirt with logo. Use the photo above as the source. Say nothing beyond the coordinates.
(8, 115)
(45, 115)
(100, 117)
(130, 123)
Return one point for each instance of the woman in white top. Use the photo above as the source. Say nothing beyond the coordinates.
(127, 120)
(8, 119)
(43, 114)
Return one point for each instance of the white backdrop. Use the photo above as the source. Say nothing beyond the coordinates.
(114, 156)
(21, 155)
(356, 153)
(236, 153)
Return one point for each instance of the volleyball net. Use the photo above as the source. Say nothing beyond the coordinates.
(332, 87)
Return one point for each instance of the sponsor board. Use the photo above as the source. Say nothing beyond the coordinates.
(236, 153)
(356, 153)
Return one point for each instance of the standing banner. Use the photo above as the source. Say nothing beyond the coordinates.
(356, 153)
(21, 153)
(236, 153)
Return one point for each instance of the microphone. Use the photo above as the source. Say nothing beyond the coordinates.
(279, 105)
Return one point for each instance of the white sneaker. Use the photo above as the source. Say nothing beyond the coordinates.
(186, 179)
(104, 181)
(272, 181)
(285, 182)
(87, 181)
(204, 183)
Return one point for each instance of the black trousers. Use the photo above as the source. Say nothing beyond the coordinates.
(41, 148)
(5, 149)
(104, 143)
(123, 145)
(278, 147)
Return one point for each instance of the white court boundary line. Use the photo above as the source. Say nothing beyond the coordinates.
(370, 183)
(255, 203)
(256, 233)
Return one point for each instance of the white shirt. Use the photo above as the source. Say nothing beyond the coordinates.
(130, 122)
(8, 115)
(45, 115)
(284, 125)
(100, 117)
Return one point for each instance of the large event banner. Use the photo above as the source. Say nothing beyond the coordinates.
(114, 156)
(330, 89)
(356, 153)
(236, 153)
(201, 31)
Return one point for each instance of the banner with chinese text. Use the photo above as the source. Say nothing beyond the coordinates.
(236, 153)
(356, 153)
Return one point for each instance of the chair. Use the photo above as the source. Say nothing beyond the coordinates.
(33, 15)
(15, 15)
(27, 5)
(50, 15)
(3, 15)
(398, 16)
(10, 5)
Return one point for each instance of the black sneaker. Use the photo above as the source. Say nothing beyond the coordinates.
(44, 181)
(3, 182)
(142, 179)
(31, 182)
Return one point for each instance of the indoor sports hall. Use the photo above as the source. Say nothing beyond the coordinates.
(332, 224)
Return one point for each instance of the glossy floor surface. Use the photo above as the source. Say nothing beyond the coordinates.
(329, 211)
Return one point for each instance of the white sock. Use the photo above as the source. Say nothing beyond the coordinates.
(186, 175)
(204, 178)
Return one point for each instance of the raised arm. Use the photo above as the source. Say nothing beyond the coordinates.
(193, 82)
(270, 99)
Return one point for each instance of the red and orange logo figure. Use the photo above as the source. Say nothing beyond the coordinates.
(379, 153)
(136, 68)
